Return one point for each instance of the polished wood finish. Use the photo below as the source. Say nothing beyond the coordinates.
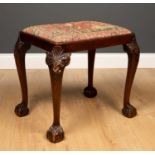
(90, 91)
(55, 132)
(78, 45)
(58, 56)
(19, 54)
(56, 61)
(133, 52)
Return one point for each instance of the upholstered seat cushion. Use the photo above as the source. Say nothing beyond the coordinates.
(75, 31)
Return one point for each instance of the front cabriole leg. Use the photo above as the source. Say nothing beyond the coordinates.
(56, 61)
(133, 52)
(19, 54)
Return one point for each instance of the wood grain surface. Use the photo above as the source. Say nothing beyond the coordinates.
(89, 124)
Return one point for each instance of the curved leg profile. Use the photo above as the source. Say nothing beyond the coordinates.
(56, 61)
(133, 52)
(19, 54)
(90, 91)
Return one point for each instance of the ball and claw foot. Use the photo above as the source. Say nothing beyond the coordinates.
(55, 133)
(129, 111)
(90, 92)
(21, 110)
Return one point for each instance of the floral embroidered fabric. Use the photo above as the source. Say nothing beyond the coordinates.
(76, 31)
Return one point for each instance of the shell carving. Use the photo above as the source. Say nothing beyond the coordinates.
(57, 59)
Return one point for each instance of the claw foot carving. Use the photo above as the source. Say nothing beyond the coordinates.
(21, 110)
(55, 133)
(90, 92)
(129, 111)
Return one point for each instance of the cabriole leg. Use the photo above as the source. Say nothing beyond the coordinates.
(90, 91)
(133, 52)
(19, 54)
(56, 61)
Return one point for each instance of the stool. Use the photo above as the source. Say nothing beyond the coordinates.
(59, 41)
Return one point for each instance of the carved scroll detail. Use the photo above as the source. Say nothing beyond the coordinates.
(57, 59)
(21, 46)
(132, 47)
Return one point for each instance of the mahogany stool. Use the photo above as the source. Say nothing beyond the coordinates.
(59, 41)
